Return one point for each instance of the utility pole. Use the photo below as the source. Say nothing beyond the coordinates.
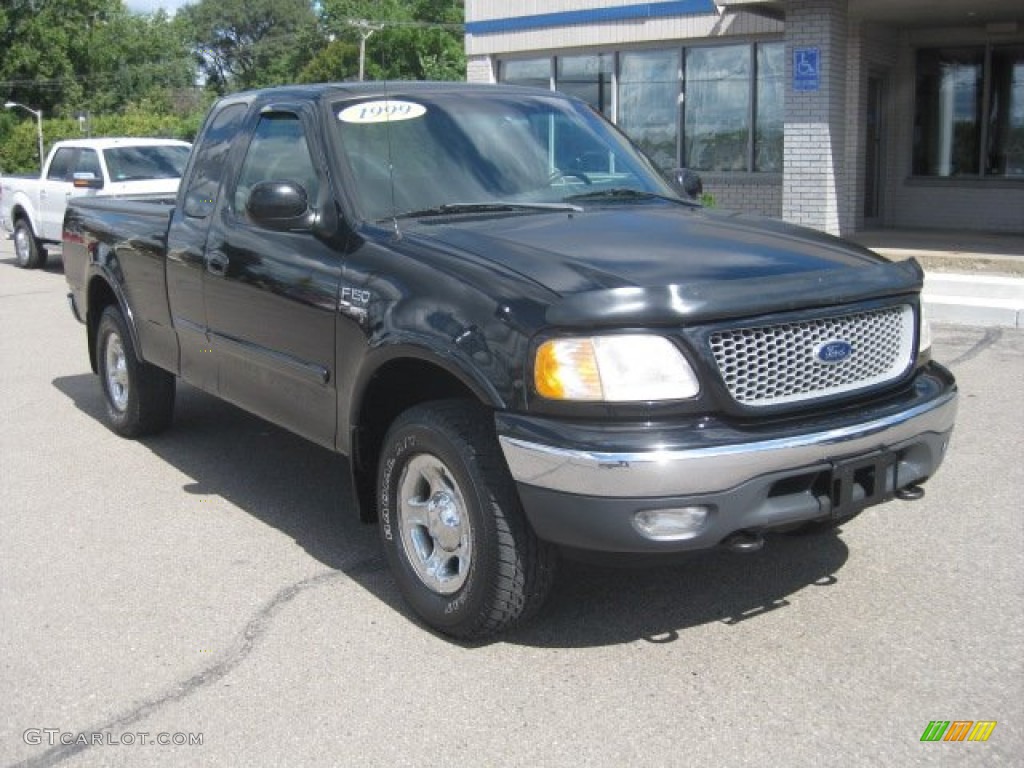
(365, 29)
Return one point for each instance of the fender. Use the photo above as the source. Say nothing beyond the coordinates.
(103, 267)
(352, 436)
(451, 361)
(22, 209)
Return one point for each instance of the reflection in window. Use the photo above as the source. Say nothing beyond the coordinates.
(210, 161)
(717, 108)
(588, 78)
(947, 126)
(89, 162)
(649, 102)
(60, 165)
(532, 72)
(146, 161)
(278, 152)
(1004, 153)
(768, 118)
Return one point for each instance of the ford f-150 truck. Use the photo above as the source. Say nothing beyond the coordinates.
(524, 338)
(32, 207)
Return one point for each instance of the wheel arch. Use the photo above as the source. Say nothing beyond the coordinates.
(398, 379)
(21, 213)
(102, 292)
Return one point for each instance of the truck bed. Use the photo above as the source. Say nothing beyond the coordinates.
(112, 223)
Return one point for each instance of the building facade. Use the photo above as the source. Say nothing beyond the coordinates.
(841, 115)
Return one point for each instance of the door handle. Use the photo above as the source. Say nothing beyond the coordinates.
(217, 263)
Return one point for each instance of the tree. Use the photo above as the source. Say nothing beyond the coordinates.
(242, 44)
(422, 40)
(69, 55)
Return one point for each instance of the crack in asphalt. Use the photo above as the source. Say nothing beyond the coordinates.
(243, 647)
(991, 337)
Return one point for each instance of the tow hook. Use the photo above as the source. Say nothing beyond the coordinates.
(910, 493)
(744, 542)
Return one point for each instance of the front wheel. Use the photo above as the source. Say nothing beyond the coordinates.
(28, 253)
(460, 547)
(139, 396)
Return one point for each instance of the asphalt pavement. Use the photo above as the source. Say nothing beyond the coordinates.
(211, 588)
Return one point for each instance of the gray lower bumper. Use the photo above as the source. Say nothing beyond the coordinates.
(656, 472)
(587, 498)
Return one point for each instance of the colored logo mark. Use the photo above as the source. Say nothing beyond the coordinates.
(832, 352)
(958, 730)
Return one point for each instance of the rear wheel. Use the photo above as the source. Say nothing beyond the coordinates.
(139, 396)
(28, 253)
(460, 547)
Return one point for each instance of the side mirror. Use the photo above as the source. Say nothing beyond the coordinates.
(86, 180)
(687, 182)
(279, 205)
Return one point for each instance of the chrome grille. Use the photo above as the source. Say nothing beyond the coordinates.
(776, 364)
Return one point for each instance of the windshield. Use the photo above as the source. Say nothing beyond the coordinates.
(420, 153)
(141, 163)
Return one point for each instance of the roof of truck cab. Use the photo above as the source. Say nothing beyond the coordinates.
(382, 88)
(120, 141)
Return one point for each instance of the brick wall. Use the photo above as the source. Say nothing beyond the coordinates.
(814, 186)
(761, 194)
(479, 69)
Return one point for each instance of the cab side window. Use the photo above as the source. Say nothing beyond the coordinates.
(61, 165)
(208, 168)
(89, 162)
(278, 152)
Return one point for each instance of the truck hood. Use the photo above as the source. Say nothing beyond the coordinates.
(657, 262)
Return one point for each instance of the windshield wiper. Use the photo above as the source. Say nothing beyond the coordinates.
(448, 208)
(625, 193)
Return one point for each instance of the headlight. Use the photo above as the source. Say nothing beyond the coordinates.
(925, 335)
(627, 368)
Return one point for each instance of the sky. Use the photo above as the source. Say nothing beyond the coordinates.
(149, 6)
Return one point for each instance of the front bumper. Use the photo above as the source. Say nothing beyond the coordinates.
(582, 486)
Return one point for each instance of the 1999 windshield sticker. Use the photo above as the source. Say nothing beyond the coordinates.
(381, 111)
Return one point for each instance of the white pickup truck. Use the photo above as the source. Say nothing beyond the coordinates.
(32, 207)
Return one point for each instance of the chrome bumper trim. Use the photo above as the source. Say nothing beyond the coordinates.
(657, 473)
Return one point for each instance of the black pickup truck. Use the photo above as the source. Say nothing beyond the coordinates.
(526, 340)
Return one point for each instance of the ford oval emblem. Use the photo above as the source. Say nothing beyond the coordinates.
(832, 352)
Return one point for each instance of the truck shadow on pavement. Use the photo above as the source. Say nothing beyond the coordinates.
(303, 490)
(54, 264)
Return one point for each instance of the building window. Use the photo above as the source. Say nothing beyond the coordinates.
(717, 108)
(769, 108)
(588, 78)
(532, 72)
(732, 95)
(1004, 146)
(649, 103)
(969, 118)
(728, 90)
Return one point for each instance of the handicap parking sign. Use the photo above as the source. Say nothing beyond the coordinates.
(806, 69)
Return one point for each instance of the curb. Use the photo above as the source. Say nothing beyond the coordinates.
(986, 300)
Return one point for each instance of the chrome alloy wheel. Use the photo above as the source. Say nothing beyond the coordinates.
(22, 245)
(435, 524)
(116, 370)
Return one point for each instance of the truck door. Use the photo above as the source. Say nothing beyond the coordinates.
(271, 294)
(58, 187)
(186, 244)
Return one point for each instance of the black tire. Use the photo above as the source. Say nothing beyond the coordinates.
(139, 397)
(28, 253)
(441, 460)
